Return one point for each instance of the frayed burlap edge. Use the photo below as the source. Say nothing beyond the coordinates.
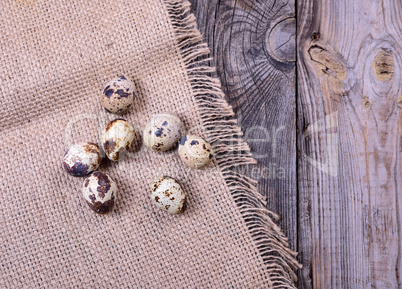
(230, 149)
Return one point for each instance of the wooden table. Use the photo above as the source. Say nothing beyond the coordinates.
(316, 86)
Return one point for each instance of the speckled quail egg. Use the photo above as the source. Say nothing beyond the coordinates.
(194, 151)
(118, 95)
(162, 132)
(167, 194)
(117, 138)
(82, 159)
(100, 192)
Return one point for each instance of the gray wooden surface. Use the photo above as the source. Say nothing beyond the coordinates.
(318, 94)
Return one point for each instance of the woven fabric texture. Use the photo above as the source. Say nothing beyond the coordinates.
(56, 57)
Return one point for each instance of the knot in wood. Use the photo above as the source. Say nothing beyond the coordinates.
(328, 62)
(367, 103)
(383, 65)
(399, 102)
(281, 42)
(315, 36)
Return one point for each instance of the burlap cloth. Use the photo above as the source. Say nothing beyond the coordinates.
(55, 58)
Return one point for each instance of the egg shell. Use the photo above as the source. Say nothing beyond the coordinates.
(100, 192)
(117, 138)
(82, 159)
(194, 151)
(118, 95)
(162, 132)
(167, 194)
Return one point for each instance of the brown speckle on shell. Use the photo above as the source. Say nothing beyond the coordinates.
(183, 206)
(110, 124)
(81, 159)
(99, 192)
(118, 95)
(117, 138)
(91, 148)
(167, 194)
(109, 145)
(194, 151)
(162, 132)
(101, 208)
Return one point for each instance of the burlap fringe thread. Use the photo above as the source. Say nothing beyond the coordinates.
(230, 149)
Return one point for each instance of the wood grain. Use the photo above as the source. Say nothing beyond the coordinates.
(349, 121)
(338, 137)
(253, 45)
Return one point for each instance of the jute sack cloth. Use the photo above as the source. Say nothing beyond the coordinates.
(56, 56)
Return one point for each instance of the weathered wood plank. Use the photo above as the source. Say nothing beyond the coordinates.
(253, 45)
(349, 124)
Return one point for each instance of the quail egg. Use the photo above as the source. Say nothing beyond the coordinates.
(100, 192)
(162, 132)
(117, 138)
(118, 95)
(167, 194)
(82, 159)
(194, 151)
